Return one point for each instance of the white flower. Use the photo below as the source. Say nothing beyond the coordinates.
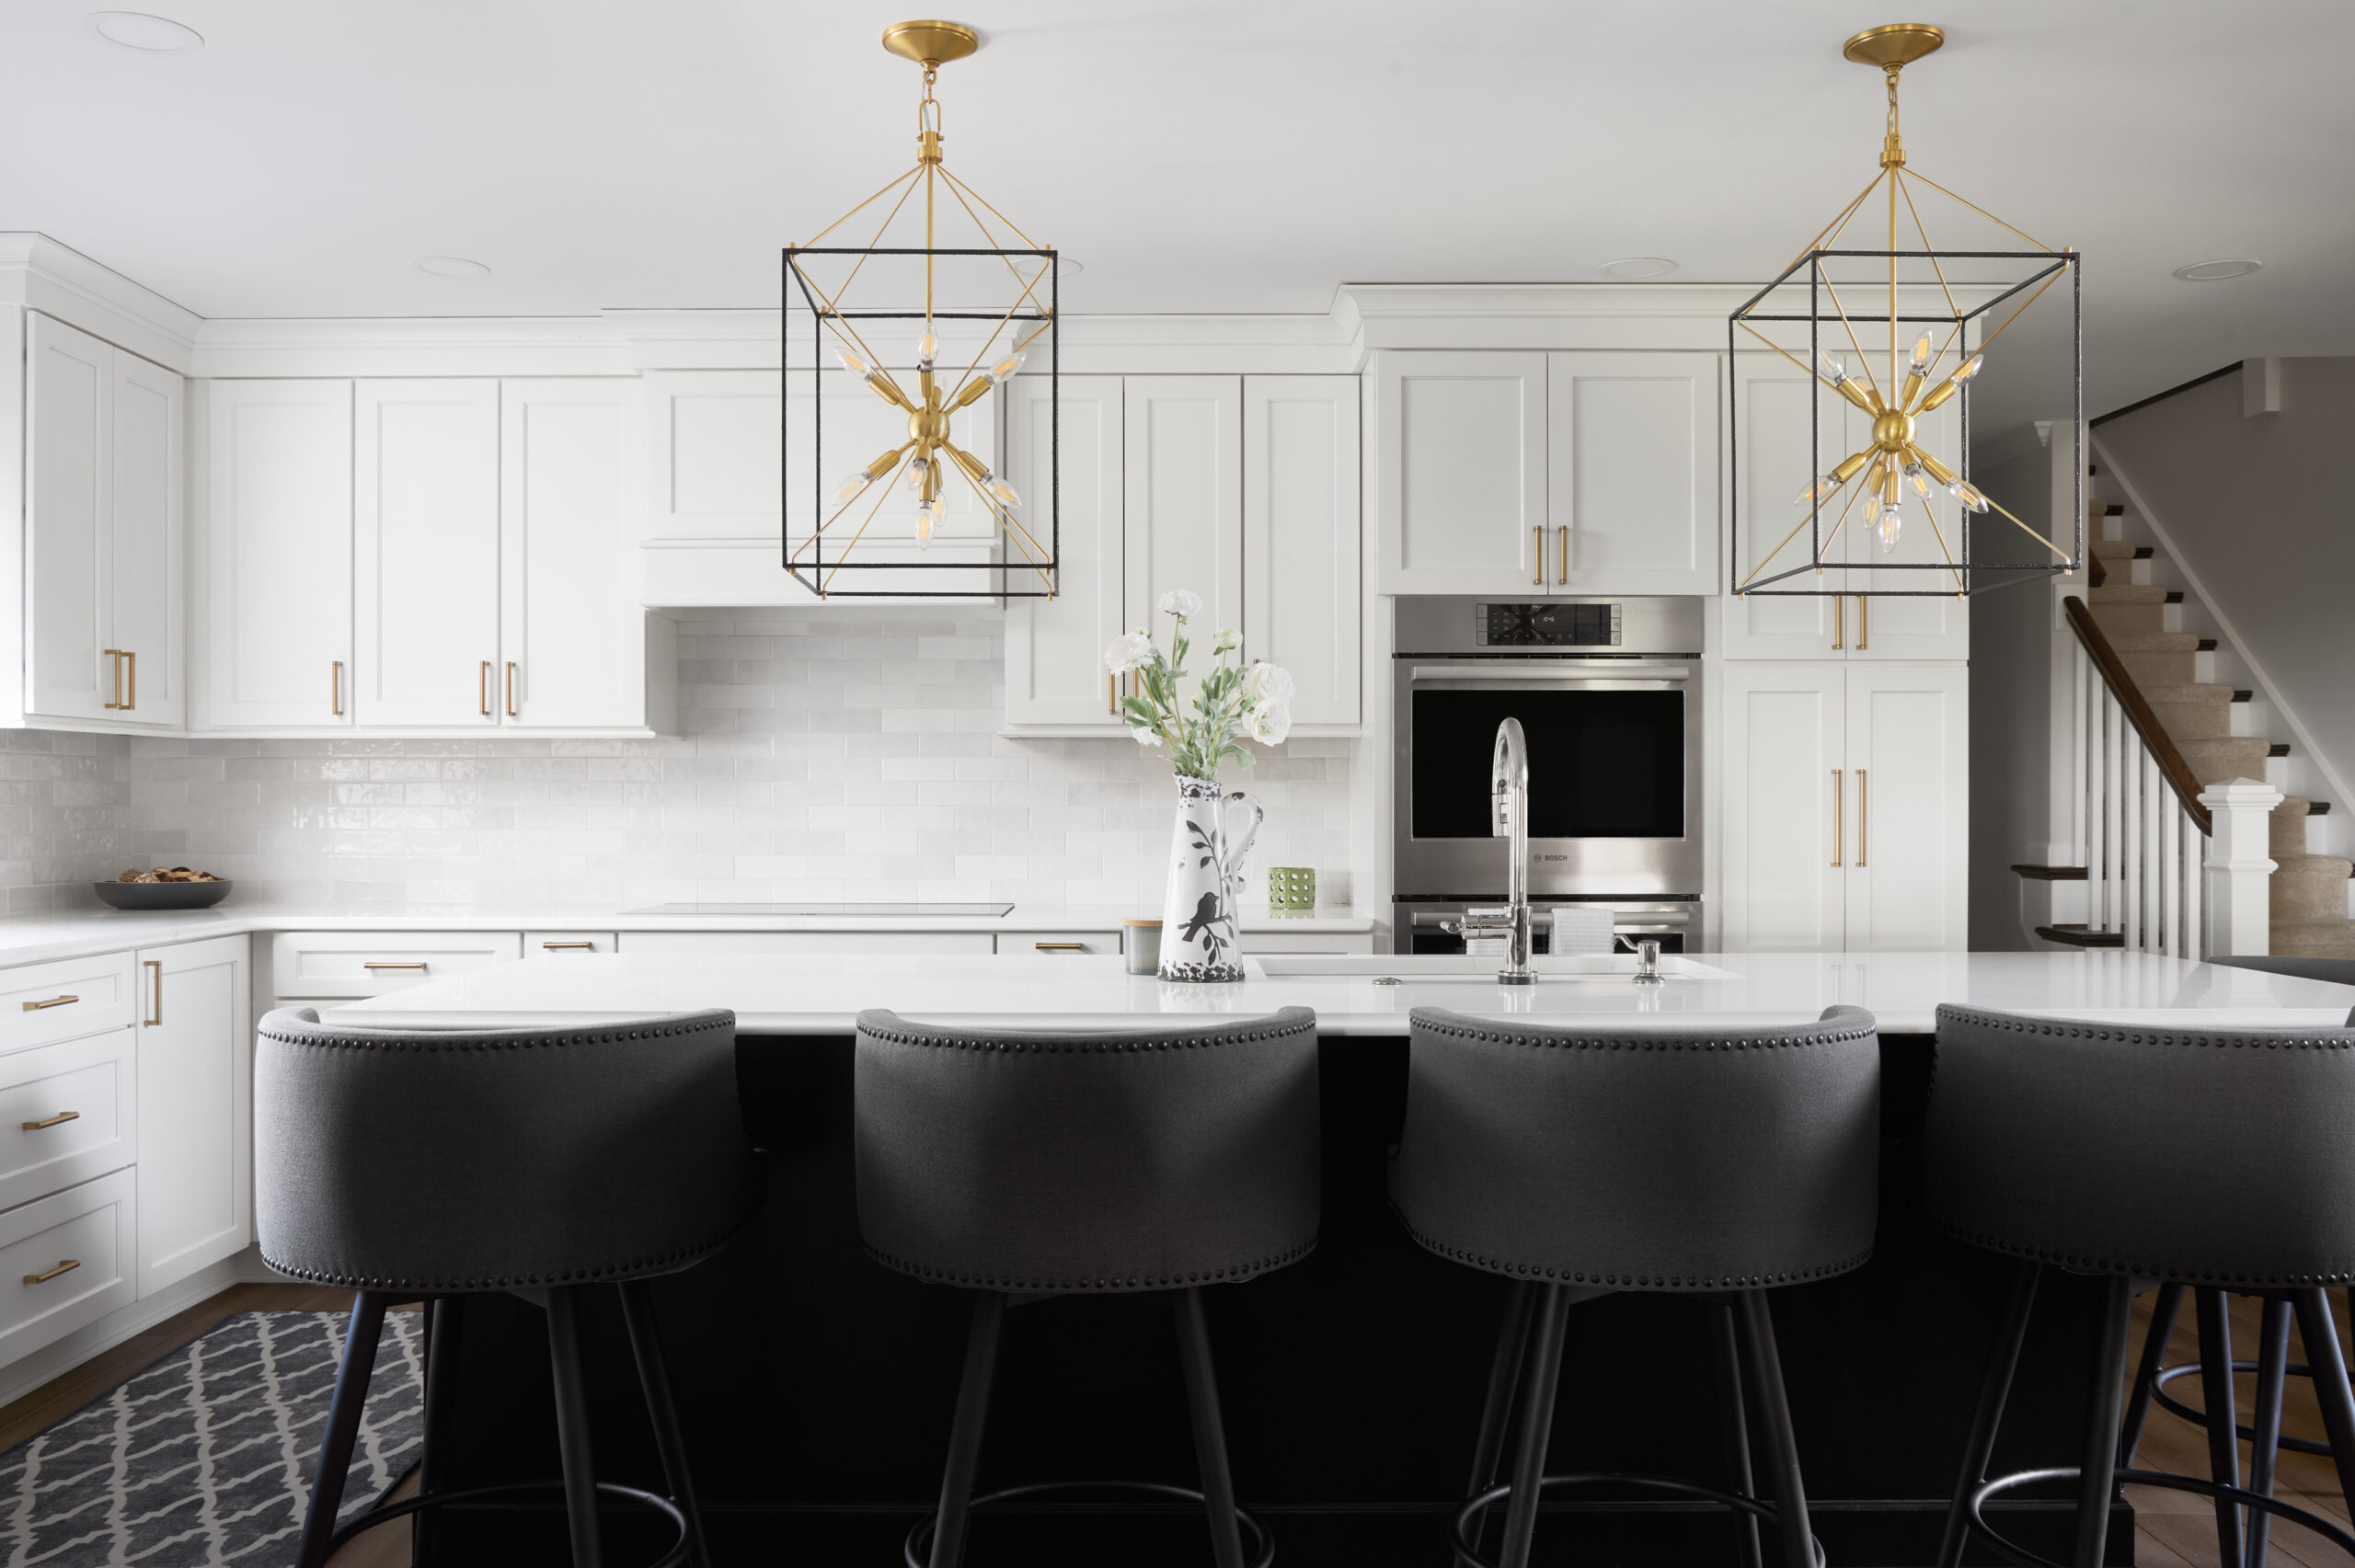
(1268, 683)
(1129, 650)
(1144, 734)
(1228, 639)
(1182, 601)
(1269, 723)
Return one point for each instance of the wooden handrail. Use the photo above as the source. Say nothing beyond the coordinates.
(2156, 739)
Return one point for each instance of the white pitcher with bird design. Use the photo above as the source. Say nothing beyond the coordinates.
(1206, 852)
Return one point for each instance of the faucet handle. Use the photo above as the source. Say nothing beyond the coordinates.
(1648, 963)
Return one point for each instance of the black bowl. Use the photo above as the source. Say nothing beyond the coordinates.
(162, 895)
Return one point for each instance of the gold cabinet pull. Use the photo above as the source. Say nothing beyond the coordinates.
(1863, 814)
(52, 1002)
(1562, 557)
(1839, 817)
(64, 1265)
(563, 948)
(131, 677)
(482, 688)
(115, 654)
(511, 691)
(1060, 946)
(1864, 625)
(156, 967)
(335, 687)
(375, 964)
(1111, 694)
(1539, 580)
(1839, 620)
(60, 1116)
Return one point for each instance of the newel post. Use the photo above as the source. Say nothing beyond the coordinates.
(2239, 866)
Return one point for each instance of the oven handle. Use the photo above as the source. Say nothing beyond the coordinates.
(1640, 919)
(1600, 670)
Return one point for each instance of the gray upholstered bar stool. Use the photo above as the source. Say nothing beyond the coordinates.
(2216, 1159)
(404, 1164)
(1581, 1160)
(1019, 1164)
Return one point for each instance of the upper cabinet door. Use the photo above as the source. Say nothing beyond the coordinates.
(277, 567)
(425, 532)
(69, 484)
(1915, 614)
(1787, 428)
(1632, 472)
(1787, 809)
(145, 541)
(1461, 488)
(1183, 476)
(573, 635)
(1054, 647)
(1909, 767)
(715, 448)
(1300, 553)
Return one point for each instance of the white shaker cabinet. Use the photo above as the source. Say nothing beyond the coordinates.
(1847, 814)
(195, 1086)
(1461, 485)
(103, 481)
(1300, 553)
(426, 553)
(1632, 472)
(1054, 647)
(1182, 470)
(275, 555)
(573, 639)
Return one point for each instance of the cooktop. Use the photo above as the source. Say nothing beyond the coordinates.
(919, 910)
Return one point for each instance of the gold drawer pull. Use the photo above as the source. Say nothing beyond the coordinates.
(52, 1002)
(60, 1116)
(567, 948)
(372, 964)
(116, 655)
(64, 1265)
(1060, 946)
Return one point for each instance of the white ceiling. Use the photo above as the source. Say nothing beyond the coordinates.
(1222, 158)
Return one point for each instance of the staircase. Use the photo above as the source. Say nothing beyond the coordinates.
(2221, 728)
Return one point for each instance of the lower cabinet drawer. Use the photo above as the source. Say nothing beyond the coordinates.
(344, 964)
(65, 1261)
(65, 1115)
(563, 944)
(1058, 944)
(1252, 942)
(807, 942)
(66, 999)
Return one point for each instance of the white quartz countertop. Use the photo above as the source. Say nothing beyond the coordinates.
(30, 939)
(823, 995)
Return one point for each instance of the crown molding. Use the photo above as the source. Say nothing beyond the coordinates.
(413, 346)
(58, 280)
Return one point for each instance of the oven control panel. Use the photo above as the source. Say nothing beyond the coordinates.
(1547, 626)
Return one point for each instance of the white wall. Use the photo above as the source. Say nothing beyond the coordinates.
(2011, 743)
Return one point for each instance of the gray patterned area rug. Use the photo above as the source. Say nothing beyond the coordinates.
(206, 1456)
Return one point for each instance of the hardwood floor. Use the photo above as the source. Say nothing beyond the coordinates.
(386, 1547)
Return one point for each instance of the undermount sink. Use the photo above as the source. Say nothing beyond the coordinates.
(1439, 968)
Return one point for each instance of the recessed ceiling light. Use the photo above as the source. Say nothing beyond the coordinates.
(1638, 266)
(453, 266)
(2216, 271)
(1068, 268)
(149, 35)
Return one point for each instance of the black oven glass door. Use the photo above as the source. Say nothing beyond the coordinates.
(1602, 765)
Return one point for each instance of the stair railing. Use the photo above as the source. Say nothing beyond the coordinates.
(2138, 825)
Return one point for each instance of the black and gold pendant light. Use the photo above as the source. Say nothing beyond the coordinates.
(1888, 341)
(892, 350)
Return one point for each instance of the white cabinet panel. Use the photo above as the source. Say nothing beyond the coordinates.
(572, 636)
(196, 1089)
(1777, 454)
(1054, 647)
(1461, 481)
(1183, 477)
(341, 965)
(65, 999)
(1632, 472)
(714, 453)
(1301, 587)
(145, 542)
(1912, 627)
(1783, 861)
(68, 493)
(67, 1114)
(277, 573)
(1908, 734)
(425, 543)
(65, 1260)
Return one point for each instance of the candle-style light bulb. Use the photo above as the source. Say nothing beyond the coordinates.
(1892, 525)
(1921, 365)
(917, 468)
(927, 518)
(1964, 491)
(927, 347)
(851, 486)
(1001, 493)
(1006, 368)
(1921, 480)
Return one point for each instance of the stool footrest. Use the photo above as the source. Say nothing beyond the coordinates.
(1468, 1549)
(2168, 1402)
(2019, 1557)
(917, 1550)
(385, 1513)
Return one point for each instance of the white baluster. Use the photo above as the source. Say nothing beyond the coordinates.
(2154, 815)
(2080, 749)
(2170, 873)
(2130, 833)
(2195, 846)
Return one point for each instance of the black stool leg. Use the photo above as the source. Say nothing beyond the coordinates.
(965, 1434)
(2328, 1364)
(2216, 1403)
(572, 1425)
(344, 1425)
(2272, 1369)
(1774, 1423)
(1994, 1391)
(443, 1331)
(1541, 1377)
(1495, 1410)
(1210, 1431)
(654, 1377)
(2164, 1308)
(1727, 1346)
(2097, 1474)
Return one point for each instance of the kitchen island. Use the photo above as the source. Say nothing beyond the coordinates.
(816, 1386)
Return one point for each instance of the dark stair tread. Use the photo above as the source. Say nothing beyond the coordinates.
(2207, 645)
(2317, 808)
(2175, 596)
(2115, 509)
(2078, 936)
(2278, 749)
(2051, 873)
(2243, 694)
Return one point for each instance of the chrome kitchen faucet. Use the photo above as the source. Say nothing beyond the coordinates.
(1508, 819)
